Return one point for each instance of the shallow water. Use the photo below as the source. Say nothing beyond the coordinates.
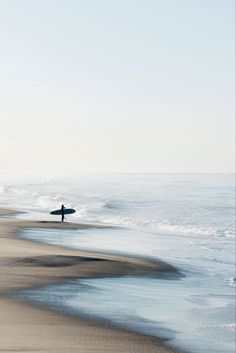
(192, 319)
(195, 312)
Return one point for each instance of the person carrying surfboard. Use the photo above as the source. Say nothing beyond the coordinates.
(62, 213)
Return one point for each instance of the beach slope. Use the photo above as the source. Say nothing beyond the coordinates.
(26, 264)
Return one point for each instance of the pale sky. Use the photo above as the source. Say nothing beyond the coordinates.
(117, 86)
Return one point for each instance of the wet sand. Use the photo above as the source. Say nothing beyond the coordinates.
(26, 264)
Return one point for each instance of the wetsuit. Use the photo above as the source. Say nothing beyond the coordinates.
(62, 213)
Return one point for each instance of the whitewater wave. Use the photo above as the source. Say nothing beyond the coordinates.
(155, 226)
(50, 203)
(16, 196)
(128, 211)
(105, 211)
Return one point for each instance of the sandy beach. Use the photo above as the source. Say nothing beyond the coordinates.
(26, 264)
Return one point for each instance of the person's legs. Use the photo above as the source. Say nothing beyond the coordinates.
(62, 217)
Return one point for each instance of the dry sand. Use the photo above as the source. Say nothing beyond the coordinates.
(26, 264)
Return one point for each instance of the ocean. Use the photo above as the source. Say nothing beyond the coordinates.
(185, 220)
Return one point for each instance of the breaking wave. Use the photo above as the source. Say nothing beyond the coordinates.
(164, 226)
(158, 213)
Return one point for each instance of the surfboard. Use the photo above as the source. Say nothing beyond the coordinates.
(66, 211)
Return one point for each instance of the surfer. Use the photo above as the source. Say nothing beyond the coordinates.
(62, 213)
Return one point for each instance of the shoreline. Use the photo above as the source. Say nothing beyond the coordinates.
(26, 264)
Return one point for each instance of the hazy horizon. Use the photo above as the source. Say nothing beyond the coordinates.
(136, 86)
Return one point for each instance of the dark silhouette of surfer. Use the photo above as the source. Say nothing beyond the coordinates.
(62, 213)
